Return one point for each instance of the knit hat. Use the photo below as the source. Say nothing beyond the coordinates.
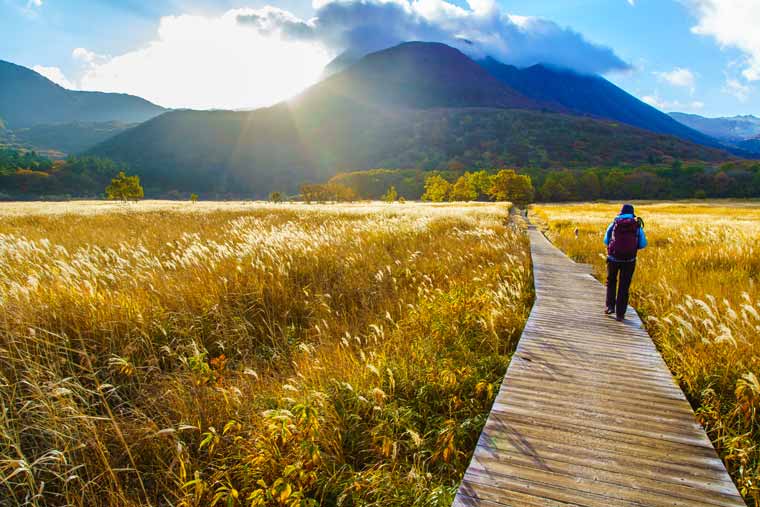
(627, 209)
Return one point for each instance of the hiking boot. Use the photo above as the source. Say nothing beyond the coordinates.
(609, 311)
(619, 318)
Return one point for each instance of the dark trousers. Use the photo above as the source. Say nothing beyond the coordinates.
(619, 276)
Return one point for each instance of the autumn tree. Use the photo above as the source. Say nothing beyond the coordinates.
(125, 188)
(463, 189)
(481, 182)
(436, 189)
(276, 197)
(193, 198)
(311, 192)
(507, 185)
(391, 195)
(329, 192)
(341, 193)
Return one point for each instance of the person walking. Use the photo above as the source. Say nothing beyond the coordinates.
(624, 238)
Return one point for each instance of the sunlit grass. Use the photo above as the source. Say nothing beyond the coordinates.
(250, 354)
(697, 287)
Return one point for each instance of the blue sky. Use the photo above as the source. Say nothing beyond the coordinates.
(699, 56)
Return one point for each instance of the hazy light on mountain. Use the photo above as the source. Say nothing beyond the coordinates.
(206, 63)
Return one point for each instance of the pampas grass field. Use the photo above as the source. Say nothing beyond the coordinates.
(696, 286)
(268, 355)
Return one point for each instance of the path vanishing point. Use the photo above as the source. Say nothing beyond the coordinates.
(588, 413)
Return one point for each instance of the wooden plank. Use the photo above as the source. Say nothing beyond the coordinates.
(588, 413)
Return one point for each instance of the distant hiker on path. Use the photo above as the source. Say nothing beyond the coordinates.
(624, 238)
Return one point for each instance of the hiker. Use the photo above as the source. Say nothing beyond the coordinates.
(624, 238)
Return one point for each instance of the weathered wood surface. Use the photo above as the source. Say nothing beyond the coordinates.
(588, 413)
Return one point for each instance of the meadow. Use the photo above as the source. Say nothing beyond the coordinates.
(696, 287)
(249, 354)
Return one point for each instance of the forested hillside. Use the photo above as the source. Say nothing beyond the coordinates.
(66, 138)
(423, 106)
(278, 148)
(26, 175)
(592, 96)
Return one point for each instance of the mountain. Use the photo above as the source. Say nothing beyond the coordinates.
(590, 95)
(67, 138)
(417, 105)
(341, 63)
(731, 129)
(750, 145)
(28, 99)
(420, 75)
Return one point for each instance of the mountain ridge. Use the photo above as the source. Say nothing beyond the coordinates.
(728, 128)
(590, 95)
(444, 77)
(28, 99)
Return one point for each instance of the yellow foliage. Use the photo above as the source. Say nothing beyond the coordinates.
(251, 354)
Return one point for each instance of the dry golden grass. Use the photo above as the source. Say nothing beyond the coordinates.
(696, 285)
(248, 354)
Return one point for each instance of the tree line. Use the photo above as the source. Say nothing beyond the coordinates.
(25, 175)
(677, 180)
(504, 185)
(738, 179)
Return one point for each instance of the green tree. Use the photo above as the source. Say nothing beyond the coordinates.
(481, 182)
(554, 190)
(560, 186)
(589, 186)
(507, 185)
(276, 197)
(193, 198)
(436, 189)
(125, 188)
(391, 195)
(463, 189)
(613, 184)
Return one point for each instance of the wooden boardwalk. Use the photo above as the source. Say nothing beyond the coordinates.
(588, 413)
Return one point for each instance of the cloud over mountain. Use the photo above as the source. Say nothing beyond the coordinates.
(246, 58)
(363, 26)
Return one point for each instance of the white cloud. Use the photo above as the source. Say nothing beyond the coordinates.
(209, 62)
(33, 3)
(482, 30)
(632, 2)
(679, 77)
(55, 75)
(738, 89)
(253, 57)
(732, 23)
(86, 56)
(673, 105)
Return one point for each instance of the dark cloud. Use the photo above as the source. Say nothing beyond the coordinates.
(363, 26)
